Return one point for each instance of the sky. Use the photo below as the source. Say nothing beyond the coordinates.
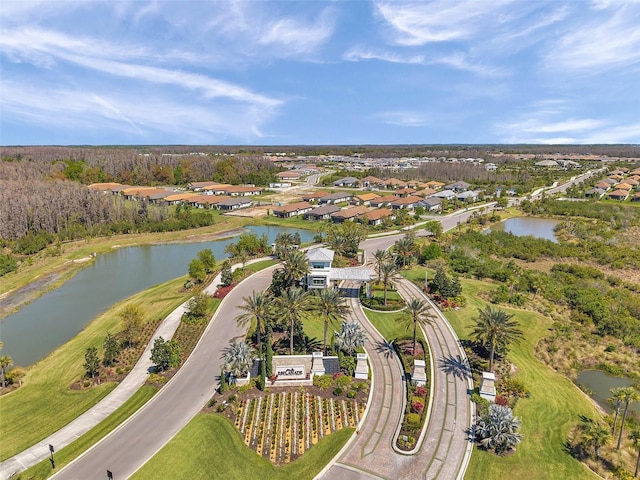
(319, 72)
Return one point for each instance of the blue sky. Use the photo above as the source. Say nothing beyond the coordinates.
(311, 72)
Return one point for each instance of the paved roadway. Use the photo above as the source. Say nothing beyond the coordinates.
(446, 449)
(138, 439)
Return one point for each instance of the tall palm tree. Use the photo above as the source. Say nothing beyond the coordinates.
(634, 436)
(284, 240)
(617, 396)
(238, 359)
(256, 307)
(291, 306)
(418, 311)
(296, 266)
(381, 256)
(629, 395)
(495, 328)
(350, 337)
(498, 429)
(330, 306)
(596, 435)
(387, 271)
(5, 362)
(405, 248)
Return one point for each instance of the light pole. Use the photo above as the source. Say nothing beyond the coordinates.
(51, 450)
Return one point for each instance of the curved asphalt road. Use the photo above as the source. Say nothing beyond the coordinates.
(138, 439)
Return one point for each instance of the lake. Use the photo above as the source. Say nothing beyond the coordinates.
(523, 226)
(53, 319)
(601, 384)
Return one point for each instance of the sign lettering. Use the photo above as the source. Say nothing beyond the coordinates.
(291, 372)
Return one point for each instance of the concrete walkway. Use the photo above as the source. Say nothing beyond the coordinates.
(96, 414)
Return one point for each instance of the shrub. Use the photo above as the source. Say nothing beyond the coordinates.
(337, 391)
(212, 402)
(351, 394)
(417, 405)
(500, 400)
(342, 381)
(232, 398)
(421, 391)
(413, 420)
(322, 381)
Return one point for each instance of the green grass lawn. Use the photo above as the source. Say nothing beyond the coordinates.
(210, 447)
(553, 409)
(392, 325)
(65, 455)
(45, 403)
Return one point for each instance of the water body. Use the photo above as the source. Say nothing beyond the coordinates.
(53, 319)
(523, 226)
(601, 384)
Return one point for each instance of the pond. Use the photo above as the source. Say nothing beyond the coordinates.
(601, 383)
(53, 319)
(523, 226)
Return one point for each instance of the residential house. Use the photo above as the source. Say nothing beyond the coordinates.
(371, 181)
(104, 187)
(491, 167)
(349, 214)
(405, 202)
(290, 175)
(636, 197)
(292, 209)
(364, 198)
(376, 217)
(201, 186)
(280, 185)
(394, 183)
(547, 163)
(427, 192)
(159, 196)
(446, 194)
(457, 186)
(632, 181)
(179, 198)
(320, 260)
(595, 192)
(619, 195)
(431, 204)
(383, 201)
(337, 197)
(235, 203)
(469, 196)
(314, 196)
(434, 184)
(218, 189)
(322, 213)
(624, 186)
(603, 185)
(347, 182)
(243, 190)
(635, 172)
(119, 189)
(404, 192)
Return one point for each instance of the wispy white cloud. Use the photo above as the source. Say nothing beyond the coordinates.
(44, 47)
(607, 40)
(359, 53)
(108, 112)
(297, 36)
(419, 23)
(404, 119)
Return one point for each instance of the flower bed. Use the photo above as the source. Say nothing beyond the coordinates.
(222, 292)
(282, 426)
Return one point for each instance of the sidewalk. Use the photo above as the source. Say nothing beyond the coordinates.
(96, 414)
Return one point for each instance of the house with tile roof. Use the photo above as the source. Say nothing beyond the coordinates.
(349, 214)
(376, 217)
(364, 198)
(383, 201)
(322, 213)
(371, 181)
(292, 209)
(347, 182)
(619, 195)
(405, 202)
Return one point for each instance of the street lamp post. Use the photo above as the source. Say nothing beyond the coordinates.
(51, 450)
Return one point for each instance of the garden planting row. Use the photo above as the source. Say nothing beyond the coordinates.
(283, 426)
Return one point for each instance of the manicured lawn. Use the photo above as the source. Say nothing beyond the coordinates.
(210, 447)
(65, 455)
(391, 325)
(46, 403)
(554, 407)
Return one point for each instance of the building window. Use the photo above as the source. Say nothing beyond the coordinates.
(318, 281)
(317, 265)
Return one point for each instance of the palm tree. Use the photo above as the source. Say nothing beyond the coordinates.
(5, 362)
(290, 307)
(330, 306)
(387, 270)
(350, 337)
(634, 436)
(498, 429)
(617, 396)
(284, 240)
(381, 256)
(296, 266)
(418, 314)
(238, 359)
(405, 247)
(629, 395)
(256, 307)
(596, 435)
(495, 328)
